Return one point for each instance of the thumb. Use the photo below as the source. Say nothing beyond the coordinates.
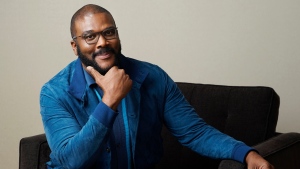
(94, 73)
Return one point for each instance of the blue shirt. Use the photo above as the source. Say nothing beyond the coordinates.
(116, 145)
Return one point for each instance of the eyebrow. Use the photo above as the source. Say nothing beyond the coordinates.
(91, 31)
(87, 32)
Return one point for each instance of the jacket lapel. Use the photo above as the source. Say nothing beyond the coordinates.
(79, 89)
(78, 84)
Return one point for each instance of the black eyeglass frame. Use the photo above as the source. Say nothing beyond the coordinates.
(99, 33)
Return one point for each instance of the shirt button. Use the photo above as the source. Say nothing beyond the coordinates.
(108, 149)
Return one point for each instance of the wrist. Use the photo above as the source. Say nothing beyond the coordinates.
(113, 104)
(251, 155)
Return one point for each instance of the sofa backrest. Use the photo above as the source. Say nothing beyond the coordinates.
(248, 114)
(34, 152)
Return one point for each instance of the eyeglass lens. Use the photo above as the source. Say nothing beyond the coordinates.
(107, 34)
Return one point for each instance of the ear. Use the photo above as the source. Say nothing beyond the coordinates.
(74, 47)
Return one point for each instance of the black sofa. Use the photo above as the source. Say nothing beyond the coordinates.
(246, 113)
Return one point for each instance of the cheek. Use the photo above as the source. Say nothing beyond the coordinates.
(117, 45)
(86, 50)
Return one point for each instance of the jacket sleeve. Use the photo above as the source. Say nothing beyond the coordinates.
(73, 145)
(193, 132)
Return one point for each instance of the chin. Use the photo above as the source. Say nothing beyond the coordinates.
(103, 68)
(107, 64)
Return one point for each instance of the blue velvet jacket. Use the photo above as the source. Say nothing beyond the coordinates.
(77, 126)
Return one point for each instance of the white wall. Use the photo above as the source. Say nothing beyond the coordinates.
(216, 42)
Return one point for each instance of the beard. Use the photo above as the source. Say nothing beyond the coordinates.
(91, 62)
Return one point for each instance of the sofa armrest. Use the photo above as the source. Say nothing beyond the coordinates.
(33, 152)
(282, 151)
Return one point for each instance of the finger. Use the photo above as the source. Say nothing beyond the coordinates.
(94, 73)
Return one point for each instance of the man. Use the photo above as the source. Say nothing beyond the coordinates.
(105, 110)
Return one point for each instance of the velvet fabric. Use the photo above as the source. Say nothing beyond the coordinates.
(72, 115)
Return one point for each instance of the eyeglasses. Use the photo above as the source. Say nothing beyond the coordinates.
(93, 37)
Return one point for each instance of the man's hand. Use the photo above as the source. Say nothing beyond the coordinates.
(255, 161)
(115, 85)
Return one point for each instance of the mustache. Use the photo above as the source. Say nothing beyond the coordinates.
(103, 50)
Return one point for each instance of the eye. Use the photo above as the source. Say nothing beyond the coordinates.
(109, 32)
(90, 37)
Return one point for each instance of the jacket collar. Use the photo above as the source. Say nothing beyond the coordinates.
(79, 83)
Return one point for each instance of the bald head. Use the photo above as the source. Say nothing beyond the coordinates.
(85, 10)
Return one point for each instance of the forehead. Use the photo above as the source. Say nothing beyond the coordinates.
(94, 22)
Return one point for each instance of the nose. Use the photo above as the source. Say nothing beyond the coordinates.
(102, 42)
